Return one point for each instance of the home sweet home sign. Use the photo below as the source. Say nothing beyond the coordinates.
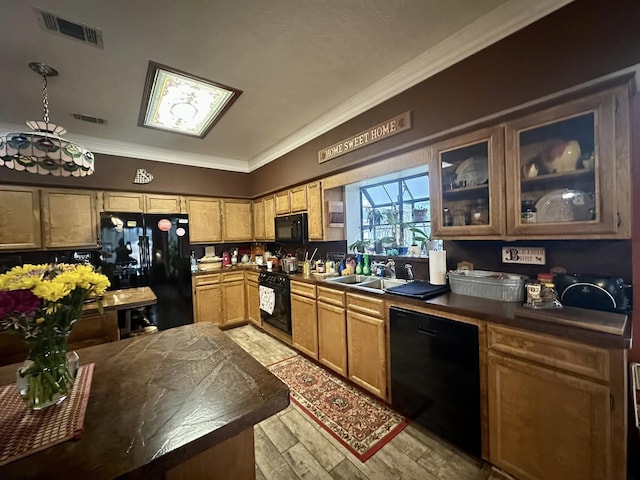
(374, 134)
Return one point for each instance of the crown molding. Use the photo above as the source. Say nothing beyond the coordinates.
(134, 150)
(488, 29)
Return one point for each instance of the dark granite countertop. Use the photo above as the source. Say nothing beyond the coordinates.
(577, 324)
(157, 400)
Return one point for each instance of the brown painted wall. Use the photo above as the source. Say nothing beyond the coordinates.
(634, 355)
(117, 173)
(582, 41)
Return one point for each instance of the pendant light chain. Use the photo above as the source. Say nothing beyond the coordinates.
(43, 150)
(45, 99)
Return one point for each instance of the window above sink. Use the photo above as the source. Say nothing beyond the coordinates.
(387, 214)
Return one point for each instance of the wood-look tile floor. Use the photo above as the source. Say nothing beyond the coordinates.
(290, 445)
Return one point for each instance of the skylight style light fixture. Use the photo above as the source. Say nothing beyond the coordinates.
(179, 102)
(43, 151)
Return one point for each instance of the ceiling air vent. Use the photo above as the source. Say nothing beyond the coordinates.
(53, 23)
(88, 118)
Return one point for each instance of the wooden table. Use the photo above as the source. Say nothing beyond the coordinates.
(178, 404)
(92, 328)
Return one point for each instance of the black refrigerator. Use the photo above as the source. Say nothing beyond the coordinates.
(150, 250)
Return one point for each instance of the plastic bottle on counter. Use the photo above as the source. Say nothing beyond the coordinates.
(366, 268)
(342, 267)
(194, 262)
(359, 264)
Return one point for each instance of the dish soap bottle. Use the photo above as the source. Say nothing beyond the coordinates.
(366, 268)
(359, 264)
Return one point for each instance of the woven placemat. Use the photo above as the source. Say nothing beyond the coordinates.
(25, 431)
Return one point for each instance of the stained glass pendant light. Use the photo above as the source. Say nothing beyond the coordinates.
(43, 150)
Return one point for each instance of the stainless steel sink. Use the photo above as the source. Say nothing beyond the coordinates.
(367, 283)
(383, 283)
(349, 279)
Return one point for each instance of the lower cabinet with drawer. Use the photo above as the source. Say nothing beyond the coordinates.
(332, 330)
(304, 323)
(220, 298)
(556, 407)
(234, 299)
(253, 298)
(366, 343)
(207, 301)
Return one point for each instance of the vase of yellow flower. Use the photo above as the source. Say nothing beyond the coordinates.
(41, 303)
(48, 374)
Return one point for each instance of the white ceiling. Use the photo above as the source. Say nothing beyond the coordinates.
(304, 66)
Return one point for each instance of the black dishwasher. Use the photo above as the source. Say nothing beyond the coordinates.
(435, 375)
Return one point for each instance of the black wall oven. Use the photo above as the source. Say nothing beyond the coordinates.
(275, 304)
(292, 228)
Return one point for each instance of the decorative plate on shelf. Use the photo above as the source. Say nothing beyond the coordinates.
(565, 205)
(473, 171)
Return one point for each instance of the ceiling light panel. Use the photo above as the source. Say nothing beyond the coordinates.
(179, 102)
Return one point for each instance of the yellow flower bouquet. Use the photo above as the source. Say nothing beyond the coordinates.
(41, 303)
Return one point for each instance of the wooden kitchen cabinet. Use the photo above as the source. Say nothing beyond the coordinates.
(253, 298)
(332, 330)
(122, 202)
(571, 163)
(207, 298)
(154, 203)
(205, 225)
(298, 199)
(366, 343)
(237, 224)
(19, 218)
(282, 202)
(269, 215)
(556, 408)
(142, 203)
(562, 172)
(466, 176)
(304, 319)
(234, 309)
(315, 211)
(69, 218)
(258, 220)
(291, 201)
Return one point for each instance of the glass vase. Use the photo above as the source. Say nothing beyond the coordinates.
(48, 374)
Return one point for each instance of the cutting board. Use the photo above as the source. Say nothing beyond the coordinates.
(419, 289)
(606, 322)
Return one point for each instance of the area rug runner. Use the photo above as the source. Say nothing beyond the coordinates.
(24, 431)
(358, 421)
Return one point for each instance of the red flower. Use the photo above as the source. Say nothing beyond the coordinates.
(18, 301)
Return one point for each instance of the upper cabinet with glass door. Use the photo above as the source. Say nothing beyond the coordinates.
(568, 169)
(467, 185)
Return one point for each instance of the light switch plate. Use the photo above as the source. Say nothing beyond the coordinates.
(524, 255)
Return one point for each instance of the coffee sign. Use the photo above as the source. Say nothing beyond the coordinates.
(374, 134)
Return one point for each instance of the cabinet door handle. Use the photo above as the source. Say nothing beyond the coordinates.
(427, 331)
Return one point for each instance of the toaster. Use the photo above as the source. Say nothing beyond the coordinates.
(609, 294)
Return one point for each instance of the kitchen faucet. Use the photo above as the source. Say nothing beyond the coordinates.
(409, 268)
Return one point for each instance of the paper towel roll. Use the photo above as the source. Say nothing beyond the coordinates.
(438, 267)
